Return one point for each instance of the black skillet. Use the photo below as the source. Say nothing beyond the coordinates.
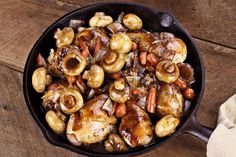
(153, 20)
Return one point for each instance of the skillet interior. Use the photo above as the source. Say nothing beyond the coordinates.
(153, 20)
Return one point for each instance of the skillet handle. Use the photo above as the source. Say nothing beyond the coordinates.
(200, 131)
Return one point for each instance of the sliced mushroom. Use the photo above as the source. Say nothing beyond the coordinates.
(132, 21)
(180, 49)
(119, 91)
(94, 77)
(64, 37)
(120, 43)
(73, 64)
(100, 20)
(167, 71)
(115, 144)
(55, 123)
(55, 59)
(40, 79)
(166, 125)
(169, 101)
(70, 101)
(113, 62)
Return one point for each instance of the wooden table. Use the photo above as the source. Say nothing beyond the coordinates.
(211, 23)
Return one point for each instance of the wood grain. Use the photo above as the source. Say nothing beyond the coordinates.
(22, 22)
(206, 19)
(21, 136)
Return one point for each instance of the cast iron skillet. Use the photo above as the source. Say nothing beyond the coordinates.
(154, 20)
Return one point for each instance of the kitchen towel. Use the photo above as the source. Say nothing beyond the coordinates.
(222, 142)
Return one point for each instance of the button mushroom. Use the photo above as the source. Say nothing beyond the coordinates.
(166, 125)
(73, 64)
(115, 144)
(119, 91)
(55, 123)
(70, 101)
(121, 43)
(94, 77)
(169, 101)
(40, 79)
(167, 71)
(180, 49)
(51, 100)
(132, 21)
(64, 37)
(100, 20)
(113, 62)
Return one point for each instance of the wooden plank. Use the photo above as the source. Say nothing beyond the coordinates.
(18, 128)
(220, 68)
(20, 136)
(22, 22)
(209, 20)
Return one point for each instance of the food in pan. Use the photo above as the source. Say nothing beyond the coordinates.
(114, 82)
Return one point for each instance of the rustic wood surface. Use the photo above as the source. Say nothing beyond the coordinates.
(23, 21)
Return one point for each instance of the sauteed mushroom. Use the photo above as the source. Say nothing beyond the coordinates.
(115, 144)
(119, 91)
(169, 101)
(64, 37)
(132, 21)
(89, 38)
(94, 77)
(100, 20)
(113, 62)
(120, 43)
(180, 49)
(70, 101)
(167, 71)
(55, 123)
(166, 125)
(40, 79)
(51, 100)
(73, 64)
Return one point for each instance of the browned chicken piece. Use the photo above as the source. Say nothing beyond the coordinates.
(91, 124)
(136, 127)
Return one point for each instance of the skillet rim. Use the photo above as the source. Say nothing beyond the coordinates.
(178, 132)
